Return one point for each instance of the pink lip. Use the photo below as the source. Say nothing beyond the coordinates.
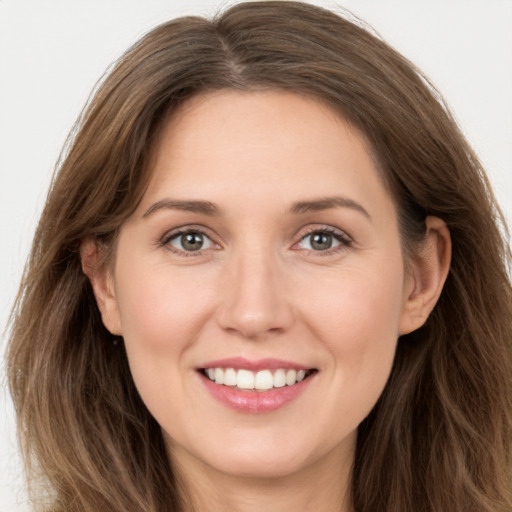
(252, 401)
(240, 363)
(255, 401)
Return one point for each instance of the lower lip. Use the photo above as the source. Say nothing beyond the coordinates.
(253, 401)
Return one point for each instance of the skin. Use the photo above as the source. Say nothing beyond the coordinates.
(258, 289)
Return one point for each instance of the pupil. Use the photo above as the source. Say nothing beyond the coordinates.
(192, 241)
(321, 241)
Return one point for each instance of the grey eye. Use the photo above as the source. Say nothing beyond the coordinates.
(319, 241)
(190, 241)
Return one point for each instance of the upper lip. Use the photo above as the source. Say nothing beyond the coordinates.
(241, 363)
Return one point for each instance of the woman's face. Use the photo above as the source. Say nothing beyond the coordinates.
(265, 250)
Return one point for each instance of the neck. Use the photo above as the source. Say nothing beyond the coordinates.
(323, 486)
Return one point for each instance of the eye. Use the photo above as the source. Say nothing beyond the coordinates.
(323, 240)
(189, 241)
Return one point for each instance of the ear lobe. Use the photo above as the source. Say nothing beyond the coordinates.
(102, 284)
(429, 270)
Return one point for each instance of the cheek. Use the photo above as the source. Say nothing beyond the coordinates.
(161, 310)
(357, 316)
(358, 301)
(162, 314)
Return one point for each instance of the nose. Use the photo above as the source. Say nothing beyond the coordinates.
(255, 301)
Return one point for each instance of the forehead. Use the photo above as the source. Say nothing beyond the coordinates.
(264, 145)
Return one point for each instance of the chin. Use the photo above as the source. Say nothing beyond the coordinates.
(267, 455)
(263, 466)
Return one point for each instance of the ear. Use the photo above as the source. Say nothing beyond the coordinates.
(102, 282)
(427, 275)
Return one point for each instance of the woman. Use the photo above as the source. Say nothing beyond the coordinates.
(269, 275)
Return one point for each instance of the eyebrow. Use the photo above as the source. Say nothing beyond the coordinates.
(208, 208)
(326, 203)
(202, 207)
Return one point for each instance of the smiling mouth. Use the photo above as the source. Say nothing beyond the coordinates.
(263, 380)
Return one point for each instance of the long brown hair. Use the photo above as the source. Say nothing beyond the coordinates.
(439, 438)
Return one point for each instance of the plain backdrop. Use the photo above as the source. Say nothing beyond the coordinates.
(52, 52)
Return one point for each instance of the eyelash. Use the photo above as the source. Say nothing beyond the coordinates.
(344, 240)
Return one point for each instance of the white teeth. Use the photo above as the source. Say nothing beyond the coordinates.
(291, 377)
(230, 377)
(279, 378)
(219, 376)
(245, 379)
(262, 380)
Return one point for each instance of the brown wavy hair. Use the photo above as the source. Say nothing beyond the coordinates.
(440, 437)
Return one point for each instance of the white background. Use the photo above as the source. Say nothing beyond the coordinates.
(52, 53)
